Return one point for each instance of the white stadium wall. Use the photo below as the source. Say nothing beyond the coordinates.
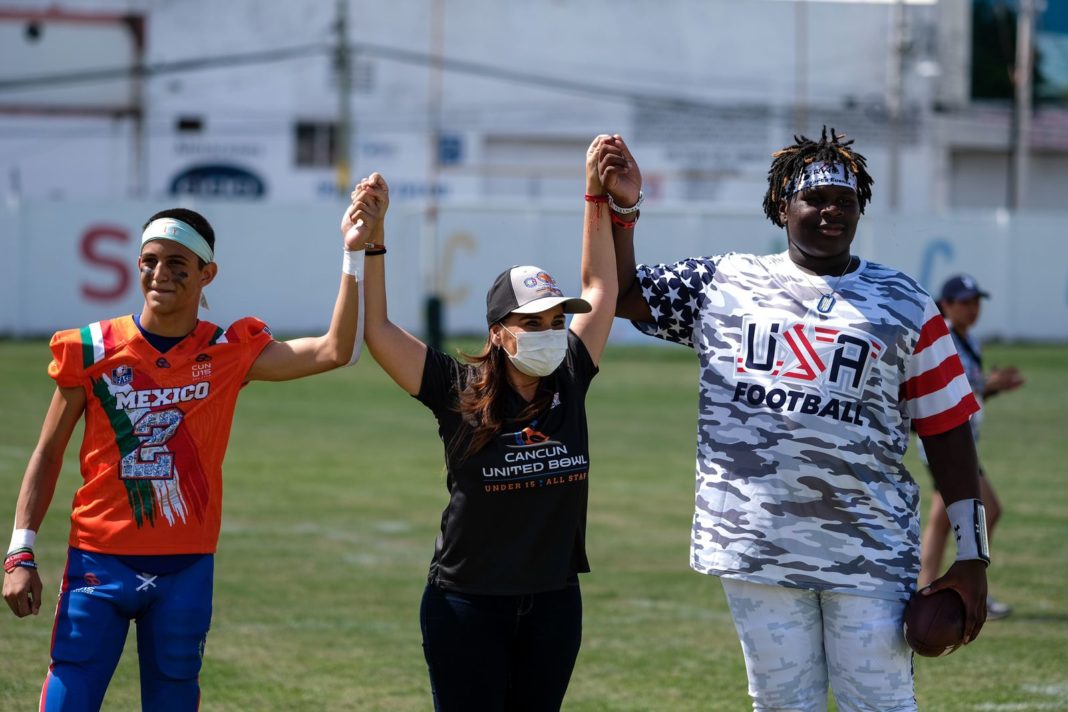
(69, 263)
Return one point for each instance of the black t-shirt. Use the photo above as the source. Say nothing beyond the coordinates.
(516, 519)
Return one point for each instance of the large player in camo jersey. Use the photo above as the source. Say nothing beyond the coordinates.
(814, 363)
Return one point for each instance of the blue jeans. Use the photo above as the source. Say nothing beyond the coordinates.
(496, 653)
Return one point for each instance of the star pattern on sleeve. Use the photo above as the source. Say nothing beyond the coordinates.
(674, 294)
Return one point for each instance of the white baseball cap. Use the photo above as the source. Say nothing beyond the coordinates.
(528, 289)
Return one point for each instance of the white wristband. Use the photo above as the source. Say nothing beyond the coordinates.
(968, 517)
(626, 211)
(352, 263)
(22, 539)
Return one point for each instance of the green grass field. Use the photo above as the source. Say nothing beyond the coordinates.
(335, 487)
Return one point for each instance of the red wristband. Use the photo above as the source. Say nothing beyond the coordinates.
(627, 224)
(22, 557)
(596, 198)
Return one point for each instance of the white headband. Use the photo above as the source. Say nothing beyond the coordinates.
(180, 232)
(822, 173)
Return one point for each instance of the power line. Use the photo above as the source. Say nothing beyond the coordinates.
(402, 56)
(89, 76)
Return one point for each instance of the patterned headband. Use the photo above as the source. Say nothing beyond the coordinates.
(822, 173)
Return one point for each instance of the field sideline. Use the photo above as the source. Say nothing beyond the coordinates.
(334, 488)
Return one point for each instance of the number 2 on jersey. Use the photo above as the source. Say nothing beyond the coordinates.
(152, 460)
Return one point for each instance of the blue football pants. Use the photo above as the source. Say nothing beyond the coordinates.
(99, 596)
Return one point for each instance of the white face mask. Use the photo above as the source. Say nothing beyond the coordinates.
(538, 353)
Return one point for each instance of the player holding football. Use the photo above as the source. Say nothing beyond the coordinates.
(157, 391)
(813, 364)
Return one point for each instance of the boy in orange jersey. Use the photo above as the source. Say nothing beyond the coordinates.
(158, 391)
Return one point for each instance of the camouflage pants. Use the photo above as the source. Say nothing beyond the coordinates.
(795, 642)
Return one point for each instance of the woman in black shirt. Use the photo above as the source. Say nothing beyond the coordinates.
(502, 614)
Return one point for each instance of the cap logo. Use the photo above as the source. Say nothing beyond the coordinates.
(543, 282)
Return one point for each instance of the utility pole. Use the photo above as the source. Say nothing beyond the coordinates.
(1022, 74)
(434, 307)
(343, 66)
(896, 100)
(801, 66)
(138, 188)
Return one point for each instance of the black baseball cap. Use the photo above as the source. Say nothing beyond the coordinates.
(528, 289)
(961, 287)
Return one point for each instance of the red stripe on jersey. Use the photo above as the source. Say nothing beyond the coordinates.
(947, 419)
(934, 380)
(808, 347)
(194, 479)
(932, 331)
(825, 334)
(107, 337)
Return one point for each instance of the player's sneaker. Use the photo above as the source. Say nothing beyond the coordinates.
(996, 609)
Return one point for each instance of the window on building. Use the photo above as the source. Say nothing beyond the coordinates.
(316, 143)
(189, 124)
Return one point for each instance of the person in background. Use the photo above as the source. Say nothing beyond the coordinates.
(960, 305)
(501, 613)
(157, 392)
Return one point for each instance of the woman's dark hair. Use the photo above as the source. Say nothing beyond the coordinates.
(481, 402)
(791, 160)
(191, 218)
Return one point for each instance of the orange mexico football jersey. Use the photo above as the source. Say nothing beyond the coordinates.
(156, 429)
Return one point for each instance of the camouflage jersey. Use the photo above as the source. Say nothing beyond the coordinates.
(803, 417)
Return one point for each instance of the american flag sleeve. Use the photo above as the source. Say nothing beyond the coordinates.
(937, 393)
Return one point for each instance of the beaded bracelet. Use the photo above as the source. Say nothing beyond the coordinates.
(597, 198)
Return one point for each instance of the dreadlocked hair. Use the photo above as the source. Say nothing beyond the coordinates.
(790, 161)
(481, 401)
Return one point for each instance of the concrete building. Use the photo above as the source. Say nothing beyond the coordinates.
(479, 113)
(483, 99)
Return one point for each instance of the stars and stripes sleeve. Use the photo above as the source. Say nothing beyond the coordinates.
(937, 393)
(674, 293)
